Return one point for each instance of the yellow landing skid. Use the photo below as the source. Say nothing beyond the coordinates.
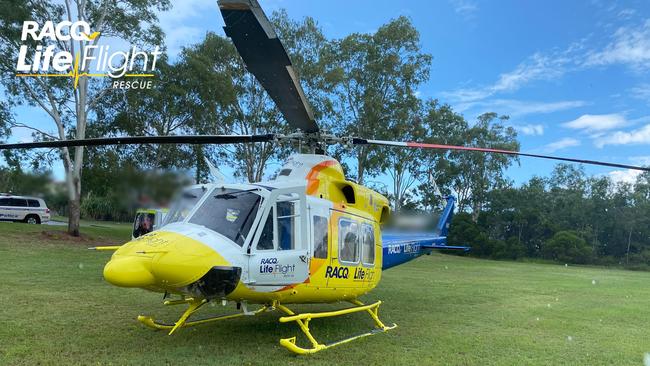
(304, 319)
(289, 343)
(194, 305)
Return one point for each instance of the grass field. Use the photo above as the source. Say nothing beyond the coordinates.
(55, 309)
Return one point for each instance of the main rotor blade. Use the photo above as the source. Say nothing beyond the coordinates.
(136, 140)
(359, 141)
(266, 58)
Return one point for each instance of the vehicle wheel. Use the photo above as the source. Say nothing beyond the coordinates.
(33, 219)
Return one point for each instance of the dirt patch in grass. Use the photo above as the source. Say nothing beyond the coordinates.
(56, 235)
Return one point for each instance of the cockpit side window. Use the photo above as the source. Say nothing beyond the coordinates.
(266, 237)
(184, 203)
(286, 225)
(230, 212)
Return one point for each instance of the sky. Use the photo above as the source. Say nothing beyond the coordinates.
(572, 75)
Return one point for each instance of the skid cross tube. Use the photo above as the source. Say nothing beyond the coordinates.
(194, 305)
(303, 322)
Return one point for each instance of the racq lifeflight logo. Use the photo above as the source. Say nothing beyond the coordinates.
(89, 59)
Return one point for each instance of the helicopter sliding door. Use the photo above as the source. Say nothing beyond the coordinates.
(279, 253)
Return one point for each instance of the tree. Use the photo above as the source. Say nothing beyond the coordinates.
(567, 247)
(442, 126)
(376, 74)
(478, 173)
(6, 119)
(67, 103)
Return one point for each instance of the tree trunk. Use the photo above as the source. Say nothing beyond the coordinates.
(74, 216)
(74, 205)
(361, 161)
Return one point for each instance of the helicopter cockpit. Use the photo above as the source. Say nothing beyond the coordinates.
(268, 223)
(227, 211)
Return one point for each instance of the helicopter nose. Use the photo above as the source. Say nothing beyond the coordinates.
(162, 260)
(128, 272)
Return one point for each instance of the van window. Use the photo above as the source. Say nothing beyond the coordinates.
(368, 245)
(348, 241)
(17, 202)
(320, 237)
(4, 201)
(33, 203)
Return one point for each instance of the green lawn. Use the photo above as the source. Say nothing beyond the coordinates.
(56, 309)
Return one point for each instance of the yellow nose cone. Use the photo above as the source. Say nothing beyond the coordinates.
(128, 272)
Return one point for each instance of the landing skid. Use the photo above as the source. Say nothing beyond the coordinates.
(301, 319)
(304, 319)
(193, 306)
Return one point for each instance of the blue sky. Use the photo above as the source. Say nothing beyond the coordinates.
(573, 75)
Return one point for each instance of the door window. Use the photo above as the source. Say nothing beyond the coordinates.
(286, 225)
(266, 241)
(348, 241)
(368, 245)
(320, 236)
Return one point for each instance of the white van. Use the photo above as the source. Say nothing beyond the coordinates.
(31, 210)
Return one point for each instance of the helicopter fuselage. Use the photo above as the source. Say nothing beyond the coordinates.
(309, 235)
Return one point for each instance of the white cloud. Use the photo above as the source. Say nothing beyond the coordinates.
(518, 108)
(536, 67)
(466, 8)
(626, 13)
(640, 160)
(561, 144)
(597, 122)
(641, 92)
(638, 136)
(180, 29)
(624, 176)
(530, 129)
(630, 46)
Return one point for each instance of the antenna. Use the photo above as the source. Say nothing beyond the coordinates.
(217, 176)
(436, 190)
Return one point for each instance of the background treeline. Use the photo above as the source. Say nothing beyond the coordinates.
(567, 217)
(363, 84)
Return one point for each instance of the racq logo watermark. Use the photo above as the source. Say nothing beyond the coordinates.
(92, 61)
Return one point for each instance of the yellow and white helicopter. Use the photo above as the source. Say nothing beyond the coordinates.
(307, 236)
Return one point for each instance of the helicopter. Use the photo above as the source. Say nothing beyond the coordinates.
(307, 236)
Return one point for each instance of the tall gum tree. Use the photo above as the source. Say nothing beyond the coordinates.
(133, 21)
(376, 74)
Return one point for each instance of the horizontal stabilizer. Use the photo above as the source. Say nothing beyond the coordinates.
(446, 247)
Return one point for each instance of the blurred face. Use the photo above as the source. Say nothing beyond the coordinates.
(147, 222)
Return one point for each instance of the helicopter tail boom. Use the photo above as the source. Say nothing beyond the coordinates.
(401, 247)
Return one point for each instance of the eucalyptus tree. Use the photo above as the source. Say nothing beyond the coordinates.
(376, 74)
(478, 173)
(70, 101)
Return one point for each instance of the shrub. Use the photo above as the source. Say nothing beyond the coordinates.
(567, 247)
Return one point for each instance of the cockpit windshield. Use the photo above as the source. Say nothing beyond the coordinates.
(183, 204)
(230, 212)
